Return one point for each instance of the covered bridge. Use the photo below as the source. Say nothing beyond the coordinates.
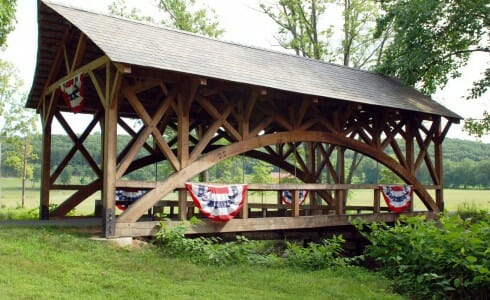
(201, 101)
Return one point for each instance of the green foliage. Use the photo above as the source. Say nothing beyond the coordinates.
(7, 20)
(316, 256)
(299, 27)
(436, 260)
(303, 26)
(212, 251)
(433, 40)
(183, 15)
(179, 14)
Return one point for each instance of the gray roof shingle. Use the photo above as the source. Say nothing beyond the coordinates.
(146, 45)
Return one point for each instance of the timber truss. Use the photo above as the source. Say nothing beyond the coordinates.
(193, 123)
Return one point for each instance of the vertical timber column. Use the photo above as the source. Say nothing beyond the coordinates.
(438, 165)
(340, 193)
(109, 168)
(183, 106)
(409, 151)
(46, 169)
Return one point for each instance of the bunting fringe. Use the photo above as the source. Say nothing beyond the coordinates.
(125, 198)
(218, 203)
(287, 197)
(397, 197)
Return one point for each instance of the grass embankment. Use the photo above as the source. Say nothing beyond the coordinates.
(44, 263)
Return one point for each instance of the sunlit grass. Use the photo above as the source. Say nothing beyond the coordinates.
(43, 263)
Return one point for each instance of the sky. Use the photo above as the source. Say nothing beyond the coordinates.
(244, 24)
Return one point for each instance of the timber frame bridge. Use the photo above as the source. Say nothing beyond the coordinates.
(190, 94)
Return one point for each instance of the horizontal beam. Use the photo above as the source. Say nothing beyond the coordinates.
(271, 187)
(259, 224)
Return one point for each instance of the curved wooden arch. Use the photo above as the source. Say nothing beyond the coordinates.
(213, 157)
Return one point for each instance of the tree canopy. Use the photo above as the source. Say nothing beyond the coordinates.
(432, 40)
(7, 19)
(179, 14)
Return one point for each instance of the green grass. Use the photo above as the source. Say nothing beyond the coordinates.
(44, 263)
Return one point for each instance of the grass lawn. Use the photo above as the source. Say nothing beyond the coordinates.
(44, 263)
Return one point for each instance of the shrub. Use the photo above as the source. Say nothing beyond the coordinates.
(316, 256)
(429, 259)
(212, 251)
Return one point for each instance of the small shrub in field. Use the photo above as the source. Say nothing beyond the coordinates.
(449, 259)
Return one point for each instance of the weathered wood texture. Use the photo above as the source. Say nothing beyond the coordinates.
(259, 224)
(193, 122)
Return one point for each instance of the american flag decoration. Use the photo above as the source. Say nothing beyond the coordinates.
(73, 93)
(218, 203)
(126, 197)
(397, 197)
(287, 197)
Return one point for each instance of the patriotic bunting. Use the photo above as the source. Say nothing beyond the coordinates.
(287, 197)
(72, 91)
(397, 197)
(126, 197)
(218, 203)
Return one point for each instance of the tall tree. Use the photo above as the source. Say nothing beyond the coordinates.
(299, 27)
(17, 124)
(179, 14)
(303, 27)
(7, 19)
(433, 39)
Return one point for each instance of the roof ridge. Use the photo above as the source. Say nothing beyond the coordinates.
(229, 42)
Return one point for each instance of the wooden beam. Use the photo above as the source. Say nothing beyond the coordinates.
(150, 127)
(80, 51)
(95, 64)
(260, 224)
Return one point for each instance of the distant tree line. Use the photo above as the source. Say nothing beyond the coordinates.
(466, 165)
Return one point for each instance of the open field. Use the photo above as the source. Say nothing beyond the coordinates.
(11, 197)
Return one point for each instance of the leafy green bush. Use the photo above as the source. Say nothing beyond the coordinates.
(316, 256)
(437, 260)
(212, 251)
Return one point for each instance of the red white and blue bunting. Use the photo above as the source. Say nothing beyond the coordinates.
(72, 91)
(218, 203)
(397, 197)
(126, 197)
(287, 197)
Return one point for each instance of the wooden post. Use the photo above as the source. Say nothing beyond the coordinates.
(182, 204)
(340, 193)
(244, 211)
(45, 169)
(377, 204)
(109, 168)
(295, 194)
(438, 166)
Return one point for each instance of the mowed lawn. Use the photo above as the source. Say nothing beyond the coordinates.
(44, 263)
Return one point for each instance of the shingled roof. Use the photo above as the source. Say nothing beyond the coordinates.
(144, 45)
